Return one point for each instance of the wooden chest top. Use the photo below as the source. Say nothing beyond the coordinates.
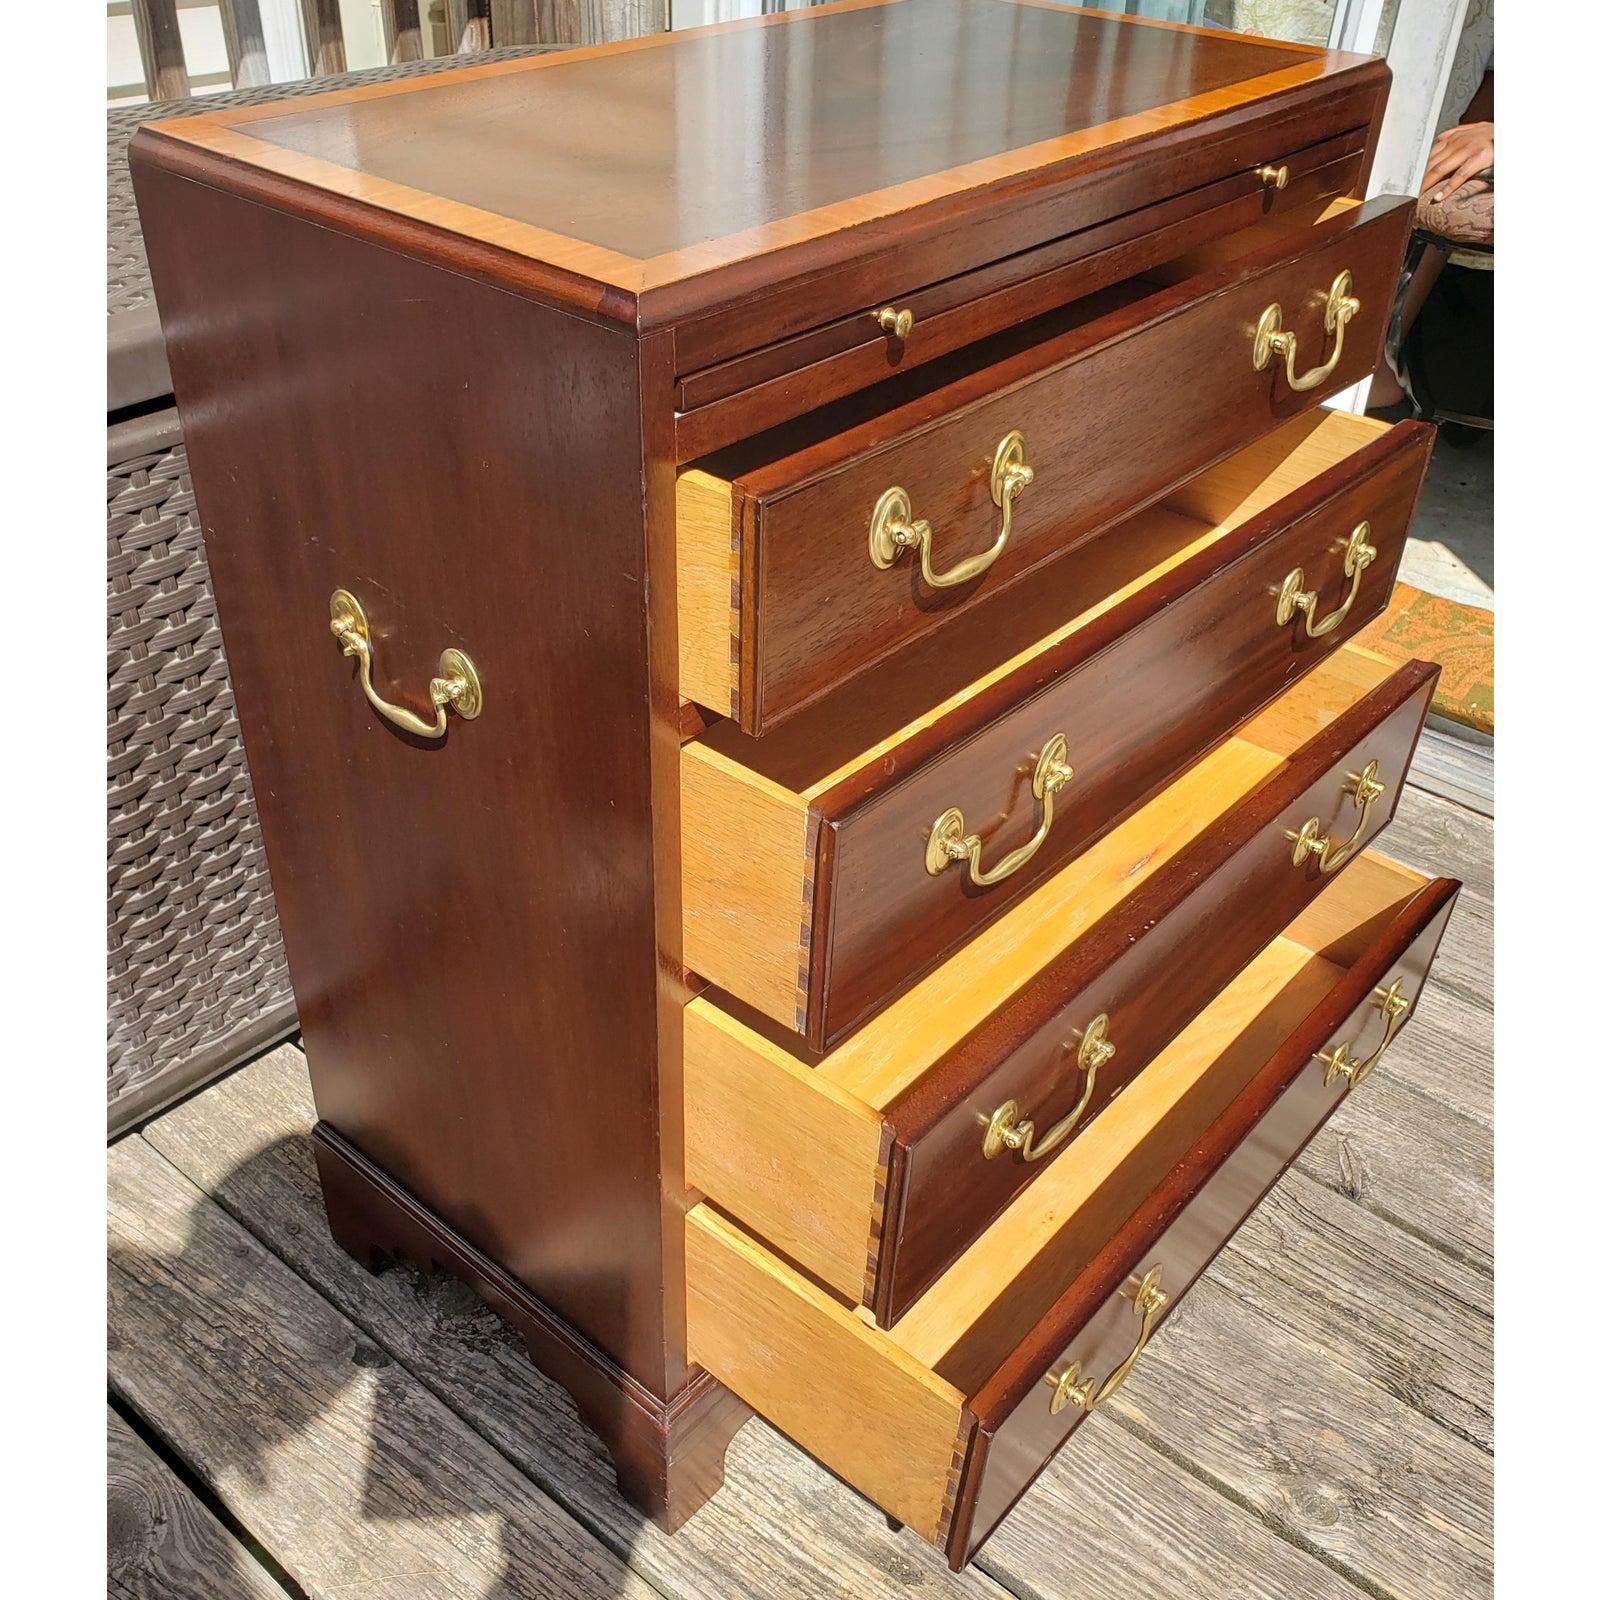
(689, 156)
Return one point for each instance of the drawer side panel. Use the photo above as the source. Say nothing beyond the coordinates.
(747, 854)
(826, 1378)
(776, 1144)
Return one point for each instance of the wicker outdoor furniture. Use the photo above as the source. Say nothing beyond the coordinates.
(196, 973)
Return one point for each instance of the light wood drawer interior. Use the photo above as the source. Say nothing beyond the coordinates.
(889, 1410)
(795, 1143)
(752, 809)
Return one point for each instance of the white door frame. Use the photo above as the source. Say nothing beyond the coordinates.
(1355, 25)
(1422, 50)
(284, 29)
(1421, 55)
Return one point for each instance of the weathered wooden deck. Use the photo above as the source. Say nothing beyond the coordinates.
(1315, 1421)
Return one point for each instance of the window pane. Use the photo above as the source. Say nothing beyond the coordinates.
(1162, 10)
(1299, 21)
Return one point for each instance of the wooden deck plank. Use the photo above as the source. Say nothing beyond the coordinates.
(1379, 1303)
(1313, 1421)
(1337, 1465)
(780, 1527)
(360, 1483)
(1114, 1519)
(1457, 767)
(1436, 835)
(1414, 1162)
(162, 1542)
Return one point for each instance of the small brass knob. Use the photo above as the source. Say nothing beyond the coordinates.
(1273, 177)
(897, 324)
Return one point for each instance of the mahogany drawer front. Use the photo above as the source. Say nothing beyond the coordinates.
(1208, 1196)
(732, 399)
(1144, 971)
(798, 1146)
(781, 598)
(945, 1419)
(809, 890)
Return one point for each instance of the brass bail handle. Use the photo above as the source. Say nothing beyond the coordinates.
(1002, 1129)
(1294, 599)
(1270, 338)
(894, 530)
(1309, 839)
(949, 841)
(457, 688)
(1342, 1062)
(1068, 1385)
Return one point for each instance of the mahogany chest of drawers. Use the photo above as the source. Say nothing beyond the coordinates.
(791, 600)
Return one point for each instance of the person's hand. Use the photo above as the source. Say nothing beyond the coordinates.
(1458, 155)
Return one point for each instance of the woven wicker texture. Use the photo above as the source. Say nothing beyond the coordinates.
(195, 959)
(196, 968)
(127, 272)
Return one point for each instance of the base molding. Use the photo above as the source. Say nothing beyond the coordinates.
(668, 1454)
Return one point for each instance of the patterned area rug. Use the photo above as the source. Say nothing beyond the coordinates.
(1460, 638)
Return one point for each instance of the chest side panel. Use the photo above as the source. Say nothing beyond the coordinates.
(469, 921)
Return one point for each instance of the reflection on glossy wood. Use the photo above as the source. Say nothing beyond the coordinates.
(965, 81)
(549, 165)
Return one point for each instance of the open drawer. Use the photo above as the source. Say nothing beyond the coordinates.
(807, 554)
(887, 1157)
(811, 890)
(874, 1164)
(946, 1418)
